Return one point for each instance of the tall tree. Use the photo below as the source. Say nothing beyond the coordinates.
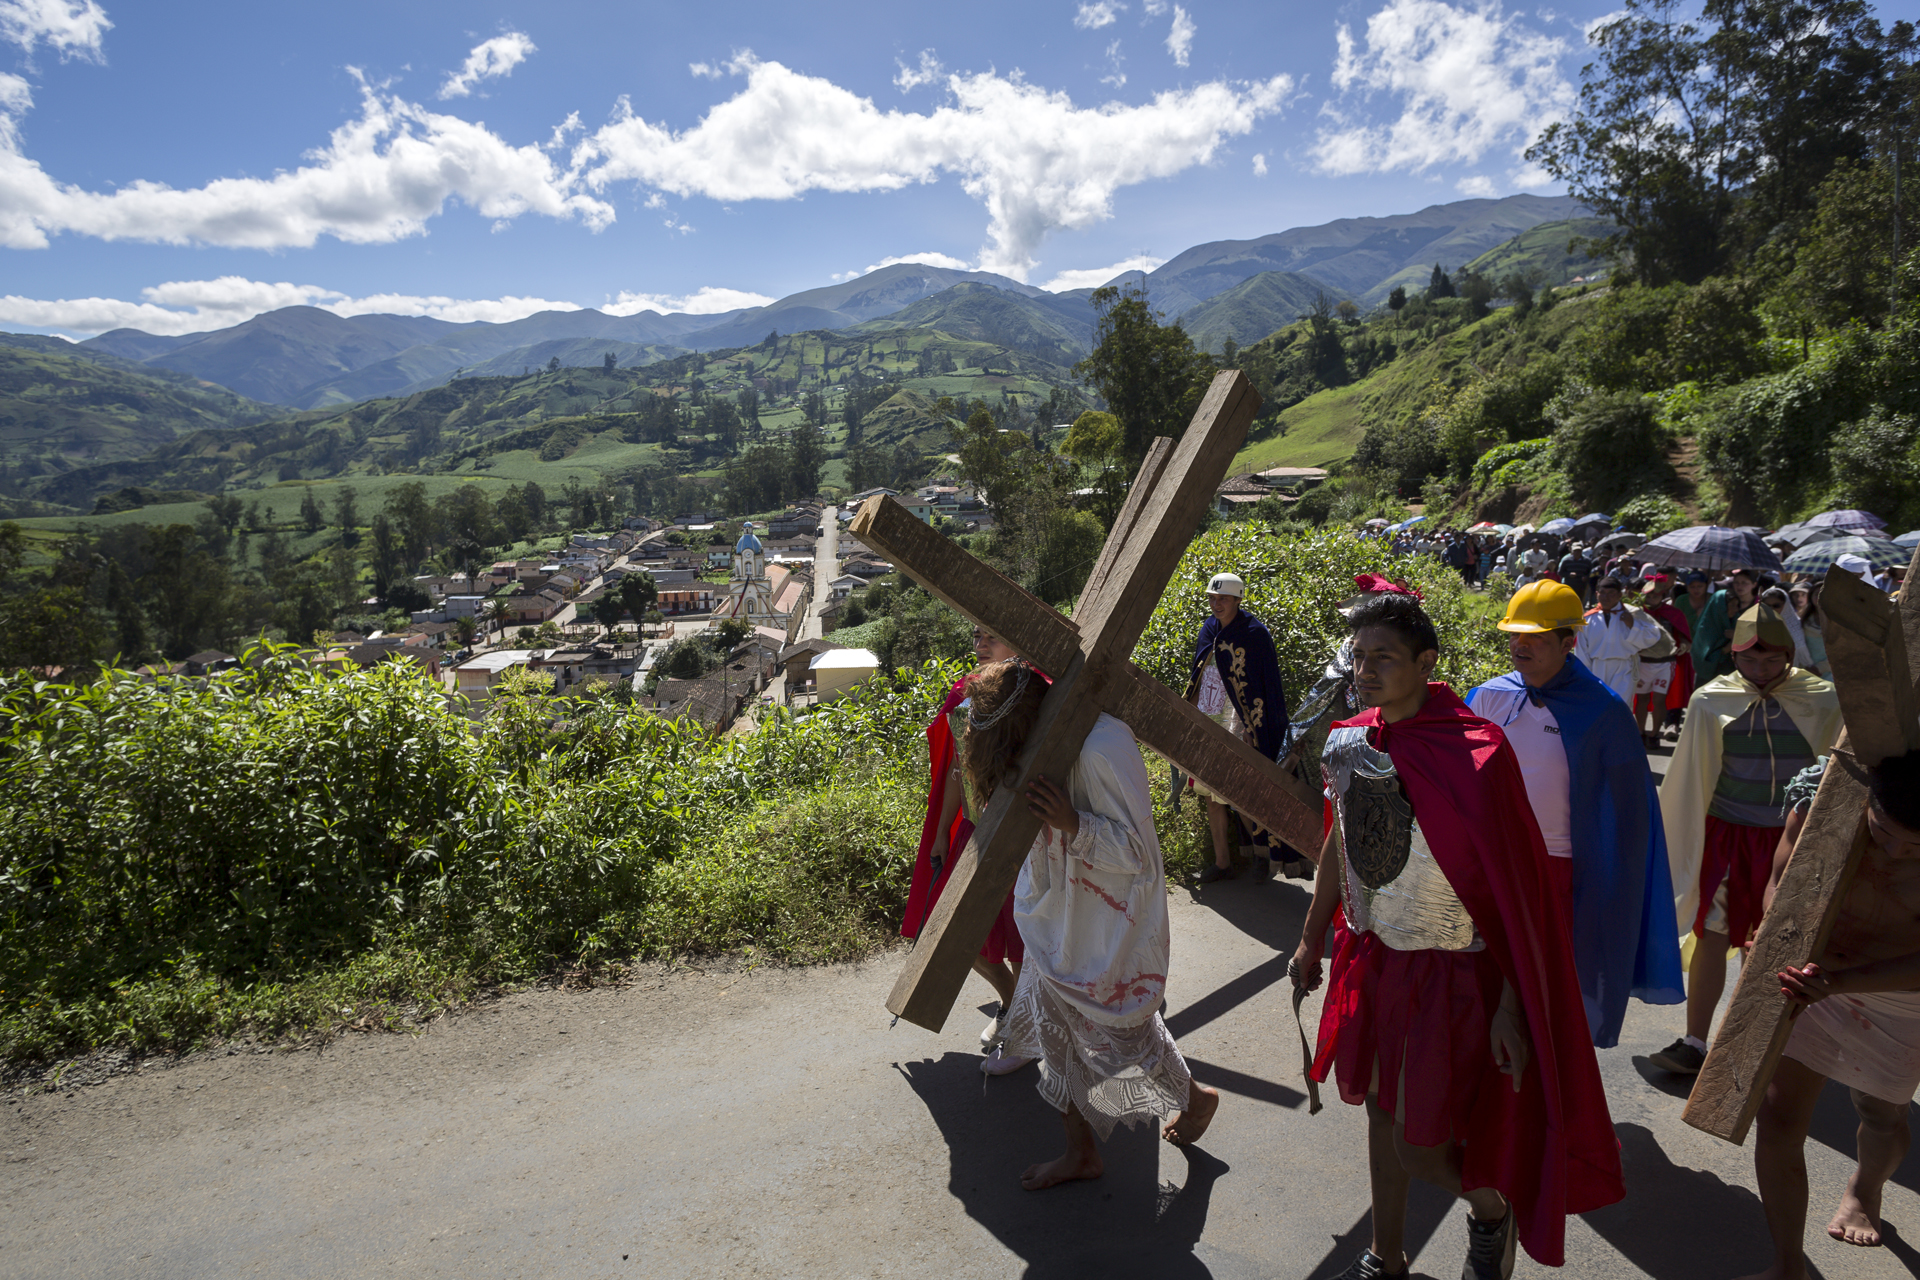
(310, 514)
(1149, 373)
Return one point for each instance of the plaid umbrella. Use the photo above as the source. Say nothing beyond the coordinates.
(1818, 557)
(1711, 546)
(1852, 521)
(1801, 533)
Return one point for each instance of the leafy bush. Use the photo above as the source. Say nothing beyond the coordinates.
(1652, 516)
(1610, 447)
(1491, 470)
(1876, 467)
(180, 857)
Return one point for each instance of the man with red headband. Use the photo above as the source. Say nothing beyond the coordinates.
(1724, 803)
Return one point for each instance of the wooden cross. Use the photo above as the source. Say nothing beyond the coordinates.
(1087, 657)
(1875, 651)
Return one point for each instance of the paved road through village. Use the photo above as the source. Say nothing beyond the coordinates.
(729, 1123)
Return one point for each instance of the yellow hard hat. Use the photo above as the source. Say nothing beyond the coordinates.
(1545, 605)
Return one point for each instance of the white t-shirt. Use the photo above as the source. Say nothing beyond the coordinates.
(1213, 691)
(1535, 736)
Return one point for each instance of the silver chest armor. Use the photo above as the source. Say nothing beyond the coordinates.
(1390, 885)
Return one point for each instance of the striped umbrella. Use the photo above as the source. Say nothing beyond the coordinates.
(1711, 546)
(1851, 520)
(1818, 557)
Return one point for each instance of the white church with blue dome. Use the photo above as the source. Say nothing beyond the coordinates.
(750, 594)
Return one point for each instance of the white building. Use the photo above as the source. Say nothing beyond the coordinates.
(837, 671)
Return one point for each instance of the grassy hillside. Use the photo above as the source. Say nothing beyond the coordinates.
(1060, 331)
(1543, 251)
(59, 409)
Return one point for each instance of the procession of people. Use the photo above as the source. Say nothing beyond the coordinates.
(1492, 891)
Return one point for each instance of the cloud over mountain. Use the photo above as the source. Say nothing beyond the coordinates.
(1469, 80)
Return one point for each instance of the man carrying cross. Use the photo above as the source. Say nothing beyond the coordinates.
(1857, 1022)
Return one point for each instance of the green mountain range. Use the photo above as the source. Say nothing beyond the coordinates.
(1543, 251)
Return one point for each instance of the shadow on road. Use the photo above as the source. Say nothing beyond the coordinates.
(1836, 1125)
(1125, 1223)
(1427, 1207)
(1674, 1218)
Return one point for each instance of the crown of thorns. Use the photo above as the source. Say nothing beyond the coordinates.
(977, 721)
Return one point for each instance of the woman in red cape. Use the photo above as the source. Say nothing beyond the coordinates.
(1001, 954)
(1549, 1147)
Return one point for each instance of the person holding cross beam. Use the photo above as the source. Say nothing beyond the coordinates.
(1857, 1021)
(1453, 1007)
(1091, 903)
(1747, 734)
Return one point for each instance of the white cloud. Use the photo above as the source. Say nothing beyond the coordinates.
(1093, 277)
(16, 96)
(1100, 13)
(911, 78)
(1259, 165)
(1117, 78)
(1180, 38)
(1155, 8)
(488, 59)
(1587, 30)
(706, 70)
(193, 306)
(72, 28)
(1038, 162)
(705, 301)
(378, 179)
(1468, 80)
(1477, 185)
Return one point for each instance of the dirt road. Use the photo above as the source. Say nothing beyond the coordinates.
(729, 1124)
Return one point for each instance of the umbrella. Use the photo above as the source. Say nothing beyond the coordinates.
(1801, 533)
(1623, 539)
(1503, 528)
(1908, 540)
(1378, 522)
(1562, 525)
(1849, 520)
(1485, 526)
(1818, 557)
(1712, 546)
(1595, 517)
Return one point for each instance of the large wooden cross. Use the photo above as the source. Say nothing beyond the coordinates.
(1875, 651)
(1088, 659)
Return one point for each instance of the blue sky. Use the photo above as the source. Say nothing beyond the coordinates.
(182, 166)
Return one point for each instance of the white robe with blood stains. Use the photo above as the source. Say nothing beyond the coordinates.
(1092, 912)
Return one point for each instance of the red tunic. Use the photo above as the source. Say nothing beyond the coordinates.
(1422, 1016)
(1680, 687)
(1003, 941)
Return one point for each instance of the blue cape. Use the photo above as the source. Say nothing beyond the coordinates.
(1623, 936)
(1243, 651)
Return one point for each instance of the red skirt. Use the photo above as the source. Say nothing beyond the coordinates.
(1423, 1017)
(1743, 857)
(1003, 942)
(1680, 688)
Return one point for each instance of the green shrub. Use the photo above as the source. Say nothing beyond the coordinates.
(1609, 447)
(1652, 515)
(1492, 466)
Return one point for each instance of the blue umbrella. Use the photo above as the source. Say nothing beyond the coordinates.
(1818, 557)
(1851, 520)
(1595, 517)
(1908, 540)
(1562, 525)
(1801, 533)
(1711, 546)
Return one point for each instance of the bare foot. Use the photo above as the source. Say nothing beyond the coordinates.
(1070, 1167)
(1186, 1128)
(1856, 1221)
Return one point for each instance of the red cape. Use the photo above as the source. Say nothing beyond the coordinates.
(1550, 1148)
(925, 887)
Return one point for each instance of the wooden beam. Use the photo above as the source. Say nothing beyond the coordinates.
(1269, 794)
(1910, 611)
(1867, 648)
(1151, 469)
(1171, 514)
(1733, 1082)
(938, 965)
(1032, 628)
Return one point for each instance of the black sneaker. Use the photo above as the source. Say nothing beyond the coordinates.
(1680, 1058)
(1212, 872)
(1369, 1267)
(1489, 1248)
(1262, 868)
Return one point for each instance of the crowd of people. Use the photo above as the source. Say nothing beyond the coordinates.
(1493, 889)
